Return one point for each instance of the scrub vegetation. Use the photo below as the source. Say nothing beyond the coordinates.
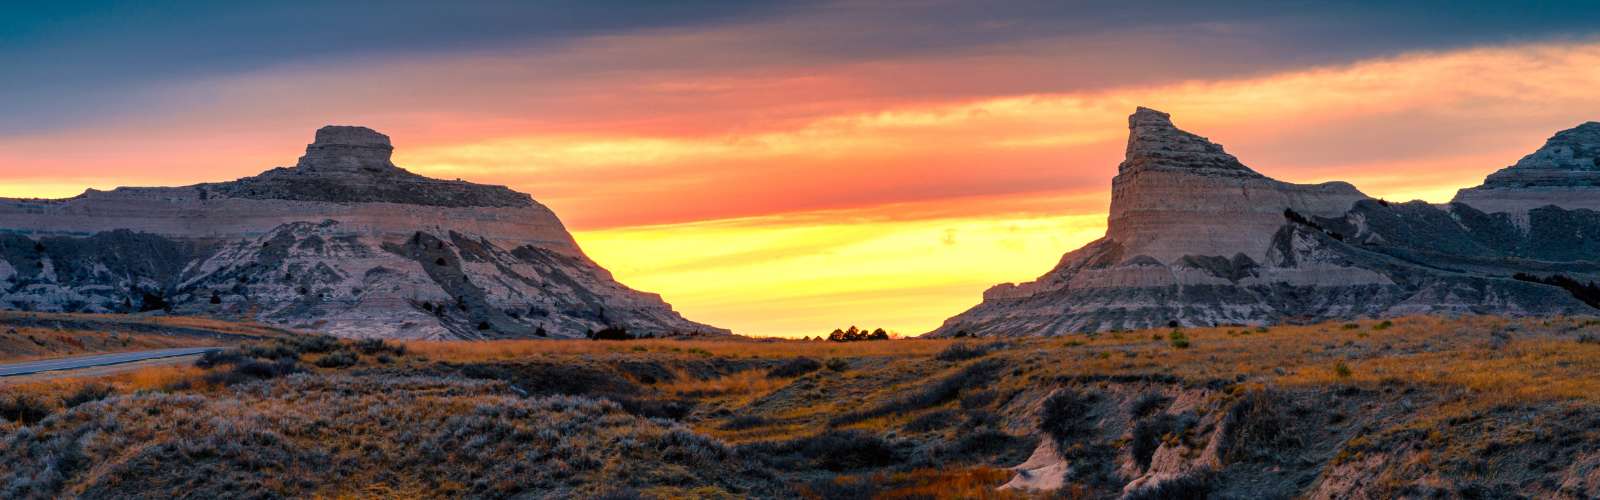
(1410, 407)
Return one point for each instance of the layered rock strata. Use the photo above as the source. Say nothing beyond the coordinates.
(1196, 238)
(344, 242)
(1565, 172)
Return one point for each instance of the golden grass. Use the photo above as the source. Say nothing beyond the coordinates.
(106, 333)
(743, 385)
(978, 483)
(506, 350)
(974, 483)
(142, 379)
(1541, 359)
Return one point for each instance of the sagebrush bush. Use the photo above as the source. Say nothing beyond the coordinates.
(88, 393)
(964, 351)
(1066, 416)
(247, 371)
(26, 409)
(794, 367)
(843, 450)
(337, 359)
(932, 421)
(1190, 486)
(212, 359)
(1256, 426)
(374, 347)
(1148, 434)
(974, 375)
(307, 435)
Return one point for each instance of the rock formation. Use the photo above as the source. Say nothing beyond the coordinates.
(343, 242)
(1565, 173)
(1197, 238)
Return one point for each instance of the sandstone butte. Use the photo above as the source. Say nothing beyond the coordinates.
(344, 242)
(1196, 238)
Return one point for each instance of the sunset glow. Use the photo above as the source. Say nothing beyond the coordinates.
(776, 191)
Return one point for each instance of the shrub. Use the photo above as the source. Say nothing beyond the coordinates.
(1383, 325)
(1178, 339)
(965, 351)
(1066, 416)
(611, 333)
(846, 450)
(372, 347)
(1148, 434)
(986, 442)
(1193, 485)
(25, 409)
(980, 373)
(337, 359)
(314, 344)
(1148, 404)
(838, 364)
(1341, 369)
(213, 359)
(1350, 326)
(254, 370)
(934, 420)
(1256, 426)
(794, 368)
(87, 393)
(980, 399)
(743, 422)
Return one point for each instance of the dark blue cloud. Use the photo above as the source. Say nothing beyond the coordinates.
(65, 62)
(69, 59)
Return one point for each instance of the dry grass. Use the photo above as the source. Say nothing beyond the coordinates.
(143, 379)
(978, 483)
(30, 335)
(359, 417)
(975, 483)
(738, 387)
(510, 350)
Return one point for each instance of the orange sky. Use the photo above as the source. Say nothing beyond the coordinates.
(791, 200)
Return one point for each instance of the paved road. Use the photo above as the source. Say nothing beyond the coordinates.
(48, 365)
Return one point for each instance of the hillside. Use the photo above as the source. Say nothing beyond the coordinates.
(1418, 407)
(1196, 238)
(344, 242)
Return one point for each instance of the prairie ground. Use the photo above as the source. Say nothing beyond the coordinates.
(34, 335)
(1413, 407)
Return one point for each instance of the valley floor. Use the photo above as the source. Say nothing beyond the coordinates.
(1415, 407)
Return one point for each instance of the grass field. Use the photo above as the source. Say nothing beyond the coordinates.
(1421, 406)
(32, 335)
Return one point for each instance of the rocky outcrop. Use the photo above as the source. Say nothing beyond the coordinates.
(1195, 237)
(1565, 173)
(344, 242)
(1179, 194)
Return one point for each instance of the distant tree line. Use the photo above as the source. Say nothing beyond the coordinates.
(1589, 293)
(856, 334)
(1295, 217)
(615, 333)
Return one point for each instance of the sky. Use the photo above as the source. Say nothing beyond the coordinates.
(790, 168)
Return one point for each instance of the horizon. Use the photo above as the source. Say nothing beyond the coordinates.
(785, 189)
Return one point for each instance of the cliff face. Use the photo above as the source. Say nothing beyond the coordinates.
(1565, 173)
(344, 242)
(1197, 238)
(1178, 194)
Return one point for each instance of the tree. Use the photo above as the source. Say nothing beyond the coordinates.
(611, 333)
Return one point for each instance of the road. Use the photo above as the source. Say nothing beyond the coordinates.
(79, 362)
